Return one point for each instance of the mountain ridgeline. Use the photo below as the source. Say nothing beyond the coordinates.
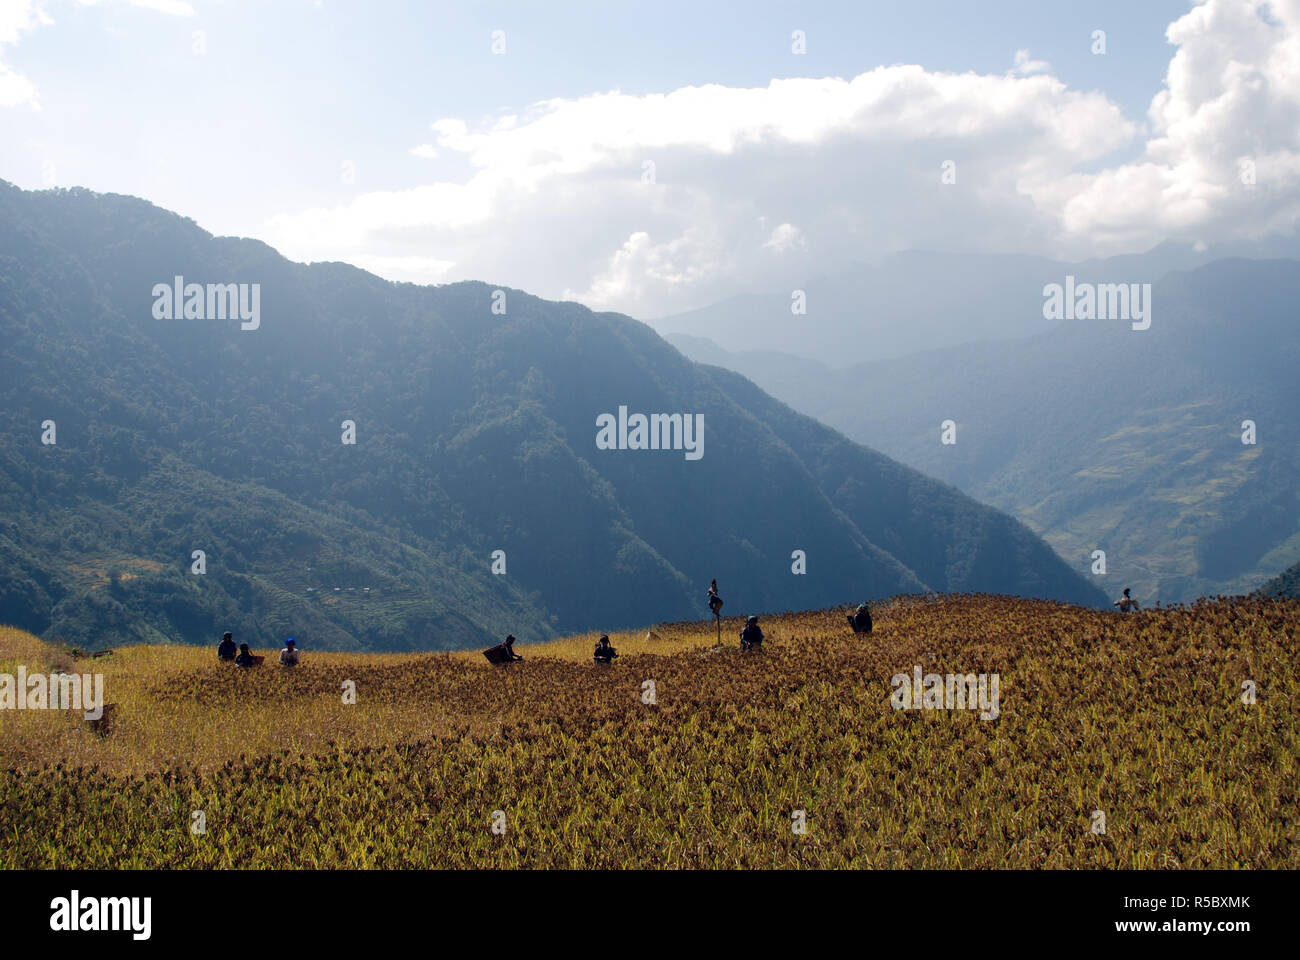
(1173, 449)
(918, 300)
(475, 432)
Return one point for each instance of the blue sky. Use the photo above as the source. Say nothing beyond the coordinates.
(288, 95)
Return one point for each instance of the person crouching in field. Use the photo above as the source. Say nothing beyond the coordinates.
(861, 619)
(226, 649)
(289, 655)
(246, 658)
(604, 652)
(1126, 603)
(751, 638)
(503, 652)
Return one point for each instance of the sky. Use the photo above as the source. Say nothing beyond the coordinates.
(652, 158)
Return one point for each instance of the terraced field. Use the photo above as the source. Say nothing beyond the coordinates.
(684, 755)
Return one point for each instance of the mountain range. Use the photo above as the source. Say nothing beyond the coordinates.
(172, 468)
(1174, 449)
(919, 300)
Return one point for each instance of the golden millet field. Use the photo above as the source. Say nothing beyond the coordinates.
(1138, 716)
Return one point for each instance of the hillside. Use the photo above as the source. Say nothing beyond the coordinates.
(1139, 718)
(1285, 584)
(475, 432)
(1098, 436)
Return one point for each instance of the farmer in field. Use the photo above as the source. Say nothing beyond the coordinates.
(1126, 603)
(289, 655)
(715, 601)
(604, 652)
(226, 649)
(861, 619)
(245, 658)
(751, 638)
(503, 652)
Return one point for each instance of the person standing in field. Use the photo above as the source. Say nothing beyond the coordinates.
(289, 655)
(226, 649)
(751, 638)
(245, 658)
(1126, 603)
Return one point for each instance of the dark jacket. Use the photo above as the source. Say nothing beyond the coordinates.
(244, 660)
(751, 635)
(226, 650)
(501, 653)
(861, 620)
(605, 653)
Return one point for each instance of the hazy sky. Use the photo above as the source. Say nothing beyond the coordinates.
(394, 136)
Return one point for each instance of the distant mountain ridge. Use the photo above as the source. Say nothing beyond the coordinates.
(911, 302)
(918, 300)
(475, 433)
(1098, 436)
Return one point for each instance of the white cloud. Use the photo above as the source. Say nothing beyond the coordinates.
(15, 89)
(555, 201)
(426, 151)
(783, 238)
(1024, 65)
(17, 17)
(641, 268)
(1231, 97)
